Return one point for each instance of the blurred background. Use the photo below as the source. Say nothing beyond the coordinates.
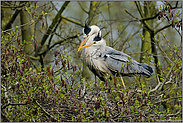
(39, 43)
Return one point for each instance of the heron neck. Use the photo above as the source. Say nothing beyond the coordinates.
(102, 47)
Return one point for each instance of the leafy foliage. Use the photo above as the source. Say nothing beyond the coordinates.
(59, 93)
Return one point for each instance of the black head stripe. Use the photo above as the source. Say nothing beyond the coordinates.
(87, 29)
(97, 38)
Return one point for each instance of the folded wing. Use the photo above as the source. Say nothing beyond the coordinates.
(119, 62)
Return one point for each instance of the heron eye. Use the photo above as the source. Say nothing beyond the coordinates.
(94, 42)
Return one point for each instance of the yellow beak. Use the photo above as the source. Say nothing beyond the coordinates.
(82, 43)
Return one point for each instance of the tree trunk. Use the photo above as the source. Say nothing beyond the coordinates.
(149, 7)
(26, 31)
(5, 16)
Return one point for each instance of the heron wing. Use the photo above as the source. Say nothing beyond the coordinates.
(119, 62)
(114, 60)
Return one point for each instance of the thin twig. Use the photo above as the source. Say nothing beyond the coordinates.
(156, 88)
(168, 74)
(72, 21)
(13, 104)
(82, 8)
(46, 111)
(19, 26)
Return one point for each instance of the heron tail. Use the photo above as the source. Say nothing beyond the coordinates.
(147, 70)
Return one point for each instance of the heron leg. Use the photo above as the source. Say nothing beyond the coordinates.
(122, 82)
(95, 81)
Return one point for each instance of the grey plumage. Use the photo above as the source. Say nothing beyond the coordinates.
(103, 60)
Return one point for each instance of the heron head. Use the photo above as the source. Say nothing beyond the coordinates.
(99, 35)
(96, 41)
(95, 30)
(88, 32)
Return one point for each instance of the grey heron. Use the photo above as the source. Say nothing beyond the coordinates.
(103, 60)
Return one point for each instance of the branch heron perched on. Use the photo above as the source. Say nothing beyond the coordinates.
(103, 60)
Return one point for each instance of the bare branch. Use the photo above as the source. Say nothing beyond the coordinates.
(171, 115)
(162, 28)
(19, 26)
(82, 8)
(13, 104)
(54, 22)
(14, 7)
(54, 6)
(156, 88)
(168, 74)
(72, 21)
(167, 99)
(137, 3)
(8, 25)
(129, 38)
(131, 15)
(149, 29)
(58, 42)
(46, 111)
